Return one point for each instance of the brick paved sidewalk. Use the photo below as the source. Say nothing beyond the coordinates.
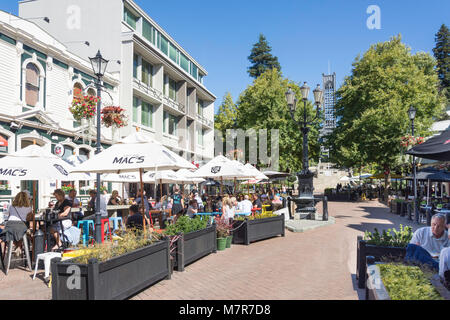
(318, 264)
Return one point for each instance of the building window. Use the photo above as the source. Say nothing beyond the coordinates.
(200, 134)
(147, 114)
(77, 90)
(184, 62)
(172, 89)
(83, 154)
(199, 107)
(147, 72)
(91, 92)
(172, 53)
(135, 109)
(135, 66)
(129, 18)
(32, 85)
(68, 151)
(194, 70)
(147, 31)
(170, 124)
(163, 44)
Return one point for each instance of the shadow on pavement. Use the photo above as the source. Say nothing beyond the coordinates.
(361, 292)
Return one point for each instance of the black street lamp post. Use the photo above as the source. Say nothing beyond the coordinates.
(305, 201)
(99, 67)
(412, 116)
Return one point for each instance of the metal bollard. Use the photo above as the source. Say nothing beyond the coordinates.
(39, 246)
(325, 209)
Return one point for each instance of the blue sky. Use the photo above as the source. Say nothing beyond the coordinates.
(304, 35)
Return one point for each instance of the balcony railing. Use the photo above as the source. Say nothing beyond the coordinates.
(174, 104)
(152, 92)
(205, 121)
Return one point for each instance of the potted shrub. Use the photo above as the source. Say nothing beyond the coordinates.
(112, 271)
(195, 238)
(257, 227)
(399, 281)
(222, 228)
(390, 242)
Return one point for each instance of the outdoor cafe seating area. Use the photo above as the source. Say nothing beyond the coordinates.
(163, 176)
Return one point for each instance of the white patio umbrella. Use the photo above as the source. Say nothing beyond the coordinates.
(258, 175)
(221, 168)
(131, 177)
(135, 152)
(187, 177)
(34, 163)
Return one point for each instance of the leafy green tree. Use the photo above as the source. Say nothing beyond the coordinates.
(442, 54)
(262, 58)
(263, 106)
(373, 105)
(226, 116)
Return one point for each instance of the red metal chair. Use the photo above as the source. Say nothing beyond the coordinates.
(103, 222)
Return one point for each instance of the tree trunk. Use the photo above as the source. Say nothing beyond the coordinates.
(387, 185)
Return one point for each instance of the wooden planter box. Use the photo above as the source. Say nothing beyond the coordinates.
(195, 245)
(115, 279)
(375, 290)
(248, 231)
(364, 250)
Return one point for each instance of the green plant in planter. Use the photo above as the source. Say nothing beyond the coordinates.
(405, 282)
(390, 237)
(185, 225)
(223, 228)
(256, 216)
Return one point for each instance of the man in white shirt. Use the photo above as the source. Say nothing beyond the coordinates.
(245, 206)
(434, 238)
(427, 243)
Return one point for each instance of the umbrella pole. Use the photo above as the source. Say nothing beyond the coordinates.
(221, 186)
(234, 188)
(142, 198)
(248, 188)
(34, 217)
(160, 188)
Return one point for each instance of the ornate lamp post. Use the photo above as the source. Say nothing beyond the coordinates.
(99, 67)
(412, 116)
(305, 202)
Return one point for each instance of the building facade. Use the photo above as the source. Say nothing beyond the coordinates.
(161, 85)
(39, 78)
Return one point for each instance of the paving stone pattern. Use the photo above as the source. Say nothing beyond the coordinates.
(314, 265)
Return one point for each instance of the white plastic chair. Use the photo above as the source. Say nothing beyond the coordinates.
(47, 257)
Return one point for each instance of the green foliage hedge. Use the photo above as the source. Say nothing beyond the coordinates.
(390, 237)
(185, 225)
(408, 282)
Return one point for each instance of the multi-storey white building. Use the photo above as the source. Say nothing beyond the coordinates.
(39, 78)
(161, 85)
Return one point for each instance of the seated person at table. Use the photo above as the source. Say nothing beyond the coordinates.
(192, 209)
(210, 205)
(134, 219)
(18, 213)
(92, 203)
(428, 242)
(256, 202)
(245, 206)
(444, 267)
(115, 200)
(147, 205)
(72, 197)
(63, 207)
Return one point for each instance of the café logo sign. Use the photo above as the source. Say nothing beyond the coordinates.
(61, 169)
(216, 169)
(13, 172)
(129, 160)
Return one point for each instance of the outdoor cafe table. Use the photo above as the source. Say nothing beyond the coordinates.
(41, 219)
(111, 210)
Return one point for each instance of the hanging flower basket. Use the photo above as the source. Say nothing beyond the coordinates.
(114, 117)
(84, 107)
(410, 141)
